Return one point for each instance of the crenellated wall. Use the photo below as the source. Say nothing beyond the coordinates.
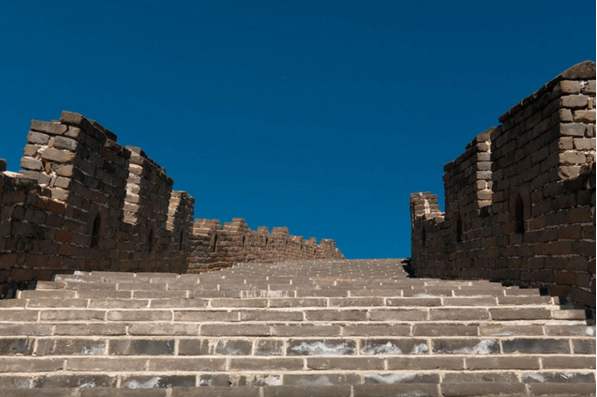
(83, 202)
(216, 246)
(520, 201)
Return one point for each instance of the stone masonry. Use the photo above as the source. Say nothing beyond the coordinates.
(83, 202)
(318, 328)
(520, 201)
(124, 305)
(214, 246)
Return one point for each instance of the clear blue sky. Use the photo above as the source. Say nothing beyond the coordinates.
(319, 115)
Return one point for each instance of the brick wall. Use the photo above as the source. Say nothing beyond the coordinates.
(520, 201)
(216, 246)
(83, 202)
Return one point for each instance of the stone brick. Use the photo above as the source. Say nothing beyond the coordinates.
(458, 314)
(74, 381)
(267, 347)
(397, 389)
(352, 363)
(307, 330)
(49, 127)
(563, 362)
(424, 363)
(445, 329)
(482, 388)
(235, 330)
(82, 347)
(60, 156)
(583, 346)
(105, 364)
(163, 382)
(314, 391)
(336, 315)
(393, 346)
(187, 364)
(141, 347)
(16, 346)
(527, 345)
(311, 347)
(12, 364)
(480, 363)
(465, 346)
(266, 364)
(38, 138)
(31, 163)
(397, 315)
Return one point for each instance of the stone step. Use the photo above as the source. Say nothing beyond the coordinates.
(93, 291)
(550, 328)
(365, 390)
(501, 329)
(49, 298)
(290, 315)
(526, 383)
(333, 328)
(422, 364)
(216, 340)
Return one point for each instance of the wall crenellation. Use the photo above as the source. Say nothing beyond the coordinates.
(82, 201)
(520, 201)
(216, 245)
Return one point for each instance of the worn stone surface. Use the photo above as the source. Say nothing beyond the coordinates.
(250, 345)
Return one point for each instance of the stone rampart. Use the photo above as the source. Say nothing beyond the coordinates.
(520, 201)
(83, 202)
(216, 245)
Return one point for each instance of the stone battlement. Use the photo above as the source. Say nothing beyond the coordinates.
(215, 245)
(81, 201)
(520, 201)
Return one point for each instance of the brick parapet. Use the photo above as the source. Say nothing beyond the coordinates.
(518, 204)
(71, 208)
(216, 245)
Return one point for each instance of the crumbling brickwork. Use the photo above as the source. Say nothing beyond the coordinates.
(81, 202)
(217, 246)
(520, 201)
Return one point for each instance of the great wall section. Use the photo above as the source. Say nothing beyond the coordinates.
(520, 201)
(112, 288)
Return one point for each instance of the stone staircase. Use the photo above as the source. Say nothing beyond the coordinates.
(305, 328)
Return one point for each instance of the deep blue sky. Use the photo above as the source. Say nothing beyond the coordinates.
(319, 115)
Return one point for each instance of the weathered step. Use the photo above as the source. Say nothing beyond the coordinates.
(40, 299)
(550, 328)
(525, 383)
(371, 390)
(136, 312)
(240, 340)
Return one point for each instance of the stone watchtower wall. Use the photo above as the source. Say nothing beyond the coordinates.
(520, 201)
(216, 246)
(83, 202)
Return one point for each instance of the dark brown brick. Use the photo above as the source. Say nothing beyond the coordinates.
(162, 382)
(397, 389)
(476, 363)
(141, 347)
(470, 389)
(312, 391)
(423, 363)
(535, 345)
(266, 364)
(194, 364)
